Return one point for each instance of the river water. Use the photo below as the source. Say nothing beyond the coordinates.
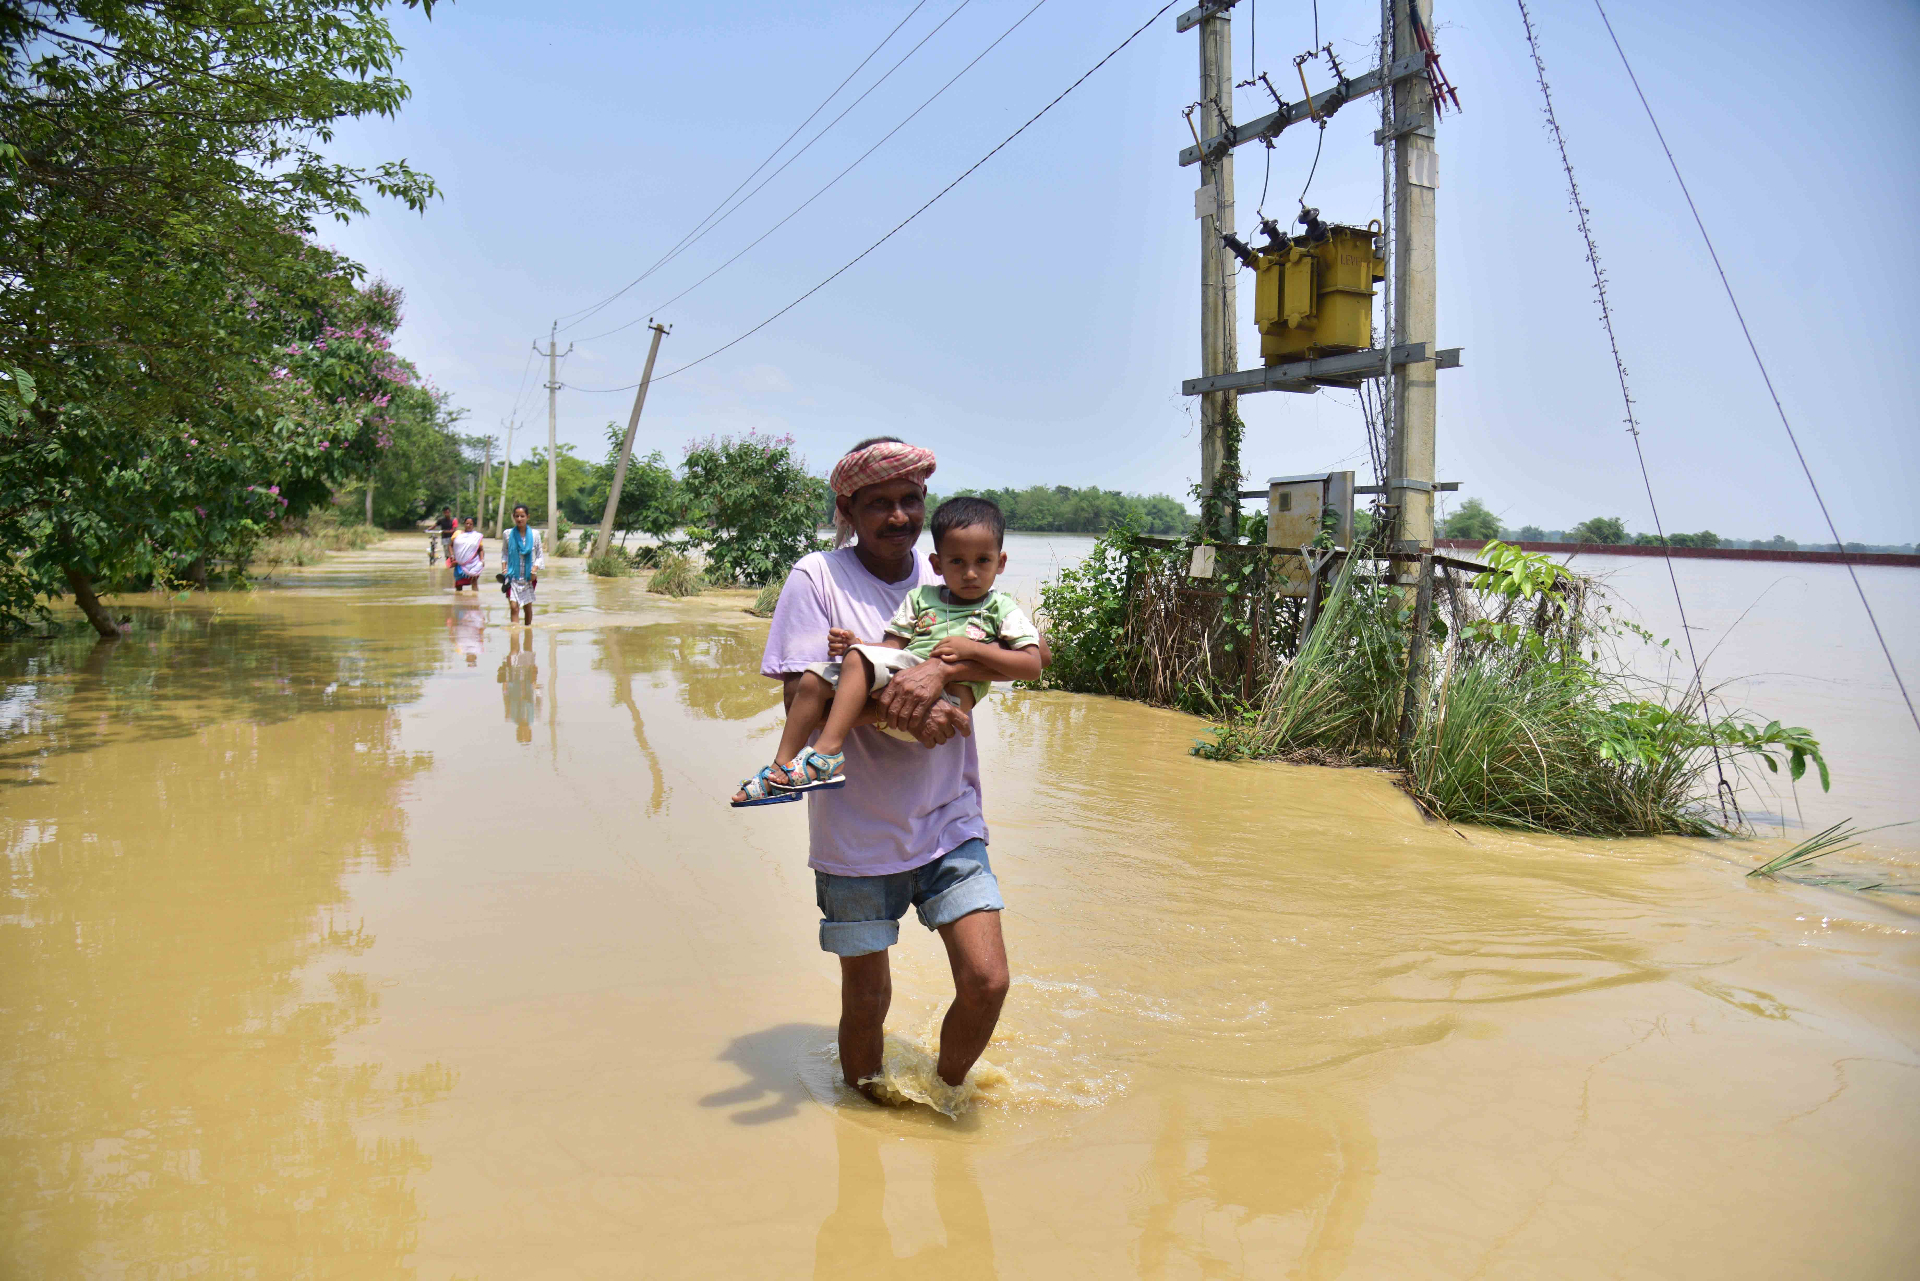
(355, 934)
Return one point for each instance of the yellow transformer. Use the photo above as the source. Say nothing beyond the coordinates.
(1313, 296)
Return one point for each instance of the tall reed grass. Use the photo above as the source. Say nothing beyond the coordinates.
(1523, 716)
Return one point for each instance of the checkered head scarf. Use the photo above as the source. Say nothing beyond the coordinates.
(878, 463)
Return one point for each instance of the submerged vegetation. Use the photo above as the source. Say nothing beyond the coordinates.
(1522, 716)
(675, 574)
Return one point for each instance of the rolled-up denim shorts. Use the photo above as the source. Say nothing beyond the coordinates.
(861, 914)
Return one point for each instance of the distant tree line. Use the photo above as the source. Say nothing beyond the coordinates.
(1064, 509)
(1472, 520)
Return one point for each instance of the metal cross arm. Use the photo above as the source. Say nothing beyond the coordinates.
(1322, 104)
(1328, 371)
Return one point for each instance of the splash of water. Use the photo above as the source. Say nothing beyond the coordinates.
(909, 1074)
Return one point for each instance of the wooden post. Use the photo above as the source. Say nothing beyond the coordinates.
(626, 444)
(1416, 651)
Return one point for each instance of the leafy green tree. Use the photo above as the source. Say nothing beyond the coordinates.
(1610, 530)
(752, 507)
(573, 484)
(1472, 521)
(1065, 509)
(159, 180)
(650, 500)
(1531, 534)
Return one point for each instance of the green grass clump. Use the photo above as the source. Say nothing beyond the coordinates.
(610, 564)
(1520, 720)
(675, 575)
(769, 597)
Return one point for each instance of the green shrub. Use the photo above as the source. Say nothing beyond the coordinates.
(610, 564)
(676, 575)
(769, 597)
(752, 508)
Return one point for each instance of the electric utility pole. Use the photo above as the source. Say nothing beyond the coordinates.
(1410, 76)
(1213, 205)
(506, 471)
(1410, 447)
(486, 465)
(553, 416)
(626, 442)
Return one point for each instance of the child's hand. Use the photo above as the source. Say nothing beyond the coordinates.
(839, 641)
(955, 649)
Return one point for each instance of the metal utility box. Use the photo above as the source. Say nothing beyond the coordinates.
(1314, 298)
(1297, 511)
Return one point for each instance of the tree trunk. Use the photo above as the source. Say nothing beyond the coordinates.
(369, 500)
(90, 605)
(197, 572)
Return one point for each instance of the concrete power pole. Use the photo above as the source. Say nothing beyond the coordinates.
(506, 473)
(553, 418)
(1410, 448)
(486, 465)
(626, 443)
(1219, 344)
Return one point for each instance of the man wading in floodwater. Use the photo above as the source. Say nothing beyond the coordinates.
(912, 831)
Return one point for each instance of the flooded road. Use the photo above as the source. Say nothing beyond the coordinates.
(355, 934)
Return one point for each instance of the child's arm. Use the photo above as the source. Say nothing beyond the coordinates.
(1005, 664)
(840, 640)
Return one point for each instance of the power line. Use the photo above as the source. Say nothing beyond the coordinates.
(697, 231)
(898, 227)
(1725, 789)
(750, 245)
(1765, 377)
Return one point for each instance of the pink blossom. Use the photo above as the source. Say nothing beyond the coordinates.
(202, 511)
(323, 444)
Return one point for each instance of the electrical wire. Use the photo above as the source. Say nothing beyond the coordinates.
(902, 224)
(1725, 790)
(1318, 143)
(697, 231)
(750, 245)
(1765, 377)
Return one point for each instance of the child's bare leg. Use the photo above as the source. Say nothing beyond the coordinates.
(849, 703)
(812, 695)
(964, 693)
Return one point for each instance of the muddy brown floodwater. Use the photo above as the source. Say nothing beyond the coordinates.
(355, 934)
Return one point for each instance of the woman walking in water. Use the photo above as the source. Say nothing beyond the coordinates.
(523, 558)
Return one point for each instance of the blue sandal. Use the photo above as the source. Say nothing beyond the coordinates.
(817, 771)
(762, 790)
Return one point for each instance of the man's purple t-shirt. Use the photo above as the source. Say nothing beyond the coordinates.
(904, 804)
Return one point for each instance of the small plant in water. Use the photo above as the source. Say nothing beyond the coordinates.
(610, 564)
(675, 575)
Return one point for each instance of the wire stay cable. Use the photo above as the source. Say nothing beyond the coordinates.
(1765, 376)
(697, 231)
(1725, 789)
(902, 224)
(831, 182)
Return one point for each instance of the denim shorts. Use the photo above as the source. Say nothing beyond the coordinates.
(861, 914)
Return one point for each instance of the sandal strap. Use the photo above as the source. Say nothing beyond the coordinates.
(818, 765)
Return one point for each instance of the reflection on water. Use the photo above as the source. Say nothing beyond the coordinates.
(519, 678)
(1287, 1186)
(856, 1240)
(173, 974)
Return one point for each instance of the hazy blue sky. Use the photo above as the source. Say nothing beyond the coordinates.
(1035, 325)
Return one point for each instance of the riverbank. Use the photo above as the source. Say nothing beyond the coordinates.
(412, 944)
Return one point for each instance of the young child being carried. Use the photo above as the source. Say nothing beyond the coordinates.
(964, 619)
